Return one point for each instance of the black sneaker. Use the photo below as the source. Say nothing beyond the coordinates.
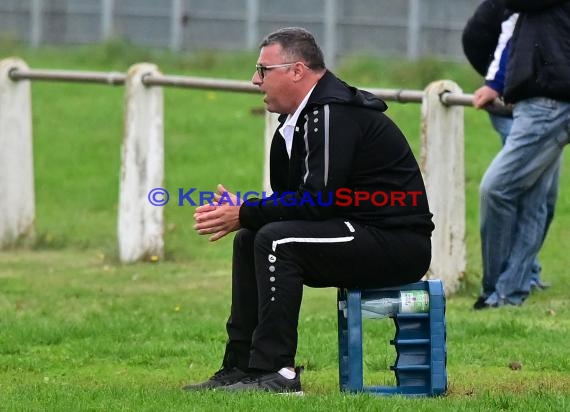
(222, 378)
(269, 382)
(538, 285)
(480, 303)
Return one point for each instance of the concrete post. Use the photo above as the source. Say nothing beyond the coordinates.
(442, 162)
(414, 29)
(36, 22)
(176, 12)
(107, 11)
(17, 200)
(252, 24)
(140, 226)
(330, 17)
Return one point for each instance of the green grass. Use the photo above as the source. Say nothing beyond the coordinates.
(79, 331)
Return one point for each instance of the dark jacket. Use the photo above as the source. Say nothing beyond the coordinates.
(539, 60)
(342, 141)
(481, 33)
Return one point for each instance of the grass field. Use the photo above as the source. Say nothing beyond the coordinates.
(79, 331)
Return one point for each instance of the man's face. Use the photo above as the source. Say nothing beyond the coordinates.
(277, 82)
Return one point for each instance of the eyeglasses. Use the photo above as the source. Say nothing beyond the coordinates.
(261, 69)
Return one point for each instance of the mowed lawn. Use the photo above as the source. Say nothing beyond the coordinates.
(80, 331)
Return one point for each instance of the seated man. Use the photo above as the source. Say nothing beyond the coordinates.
(348, 209)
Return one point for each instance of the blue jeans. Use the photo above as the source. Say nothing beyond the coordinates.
(513, 197)
(502, 126)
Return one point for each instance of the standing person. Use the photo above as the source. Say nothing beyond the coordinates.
(495, 24)
(514, 190)
(486, 40)
(332, 139)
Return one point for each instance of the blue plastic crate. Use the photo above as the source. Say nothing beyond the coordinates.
(420, 343)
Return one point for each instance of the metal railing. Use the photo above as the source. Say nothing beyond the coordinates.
(116, 78)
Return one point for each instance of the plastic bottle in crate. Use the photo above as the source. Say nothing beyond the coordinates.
(409, 301)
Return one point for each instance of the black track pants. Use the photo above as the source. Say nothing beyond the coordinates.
(271, 266)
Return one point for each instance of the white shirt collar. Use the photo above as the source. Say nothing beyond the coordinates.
(288, 128)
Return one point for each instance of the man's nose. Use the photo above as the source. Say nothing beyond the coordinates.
(256, 79)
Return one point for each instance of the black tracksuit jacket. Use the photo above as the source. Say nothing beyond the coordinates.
(539, 59)
(343, 140)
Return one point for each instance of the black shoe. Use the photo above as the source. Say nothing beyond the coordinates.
(269, 382)
(480, 303)
(222, 378)
(539, 285)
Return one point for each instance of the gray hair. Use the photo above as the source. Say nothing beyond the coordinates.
(297, 44)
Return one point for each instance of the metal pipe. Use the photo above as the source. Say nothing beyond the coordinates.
(115, 78)
(398, 95)
(112, 78)
(497, 107)
(452, 99)
(200, 83)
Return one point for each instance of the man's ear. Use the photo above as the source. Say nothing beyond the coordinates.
(299, 71)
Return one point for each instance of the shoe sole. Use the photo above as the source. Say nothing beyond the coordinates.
(298, 393)
(290, 393)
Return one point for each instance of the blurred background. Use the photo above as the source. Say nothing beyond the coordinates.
(400, 28)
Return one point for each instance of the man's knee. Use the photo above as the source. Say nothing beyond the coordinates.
(244, 238)
(491, 188)
(484, 188)
(270, 233)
